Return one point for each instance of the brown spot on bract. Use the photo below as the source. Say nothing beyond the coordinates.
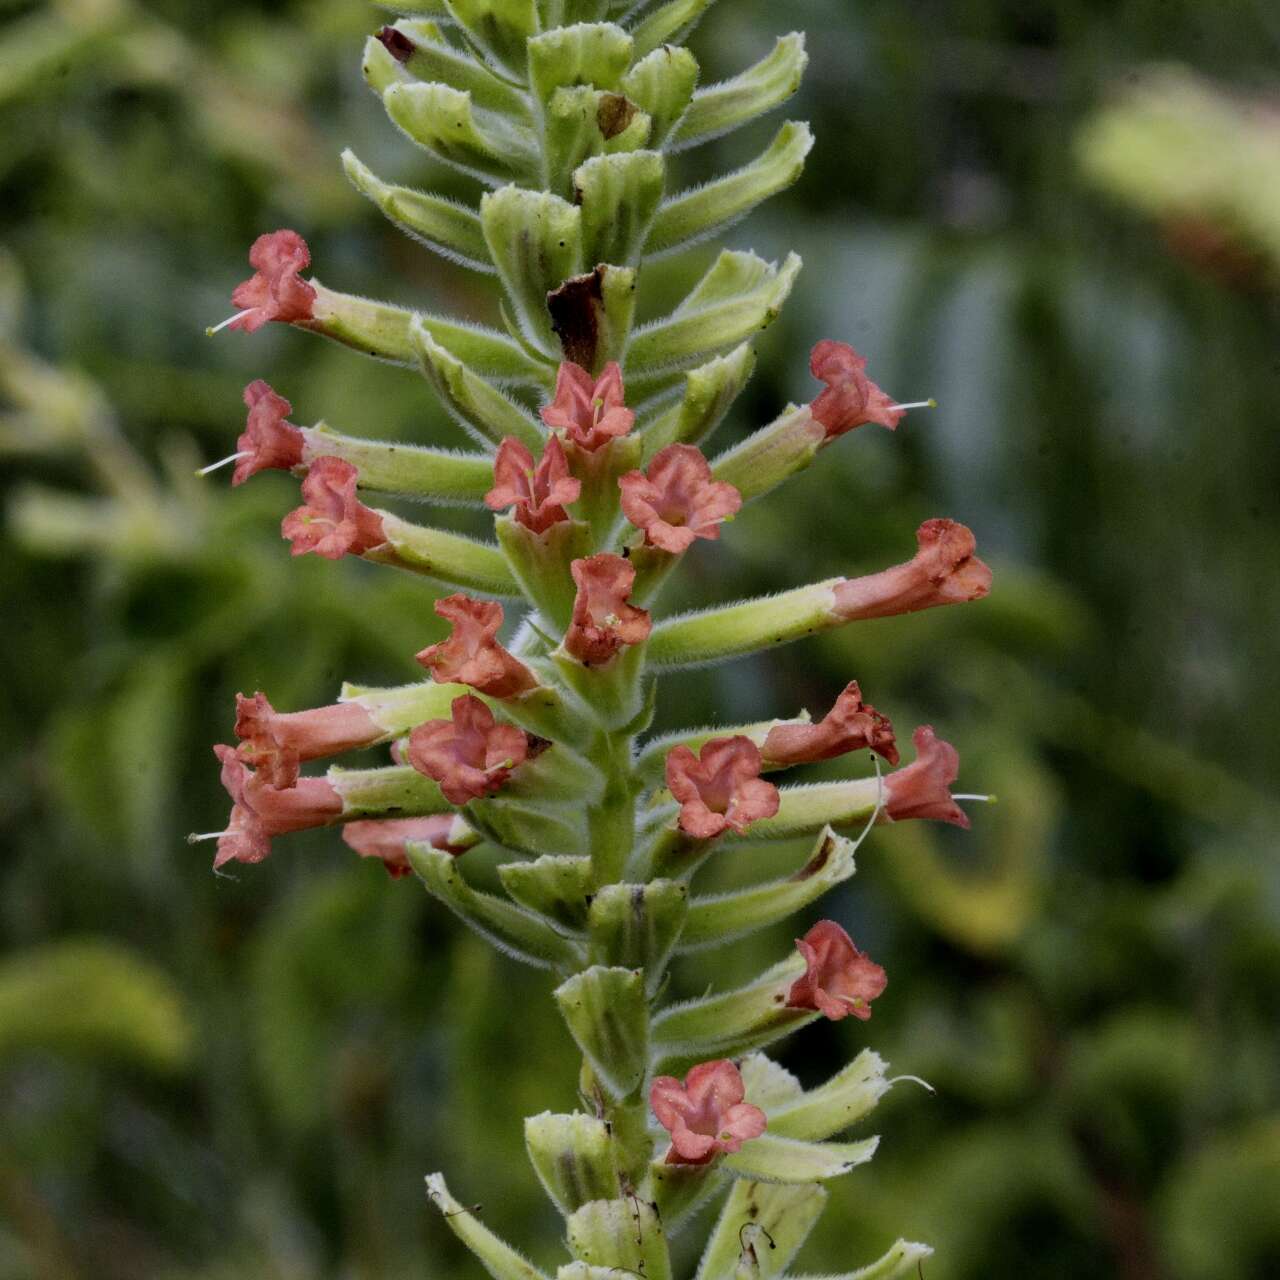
(614, 114)
(575, 316)
(396, 43)
(817, 862)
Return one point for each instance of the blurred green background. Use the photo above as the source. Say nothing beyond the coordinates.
(1062, 219)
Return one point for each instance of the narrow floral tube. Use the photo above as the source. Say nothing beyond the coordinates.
(850, 725)
(260, 811)
(943, 571)
(387, 838)
(274, 744)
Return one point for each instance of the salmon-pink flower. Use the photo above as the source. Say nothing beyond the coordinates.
(922, 788)
(851, 398)
(591, 411)
(260, 811)
(850, 725)
(603, 622)
(676, 500)
(706, 1114)
(944, 570)
(274, 291)
(539, 494)
(386, 838)
(332, 521)
(268, 441)
(274, 744)
(720, 789)
(838, 980)
(472, 655)
(471, 755)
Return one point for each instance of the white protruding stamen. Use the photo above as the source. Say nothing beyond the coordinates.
(217, 328)
(234, 457)
(914, 404)
(983, 799)
(924, 1084)
(196, 837)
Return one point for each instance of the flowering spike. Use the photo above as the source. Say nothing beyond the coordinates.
(838, 979)
(922, 788)
(386, 838)
(274, 744)
(470, 755)
(268, 441)
(332, 521)
(850, 725)
(705, 1115)
(676, 501)
(851, 398)
(274, 291)
(603, 621)
(539, 494)
(472, 655)
(944, 570)
(590, 411)
(260, 811)
(720, 789)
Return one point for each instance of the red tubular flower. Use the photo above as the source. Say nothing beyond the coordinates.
(386, 838)
(603, 621)
(590, 410)
(274, 291)
(260, 810)
(332, 521)
(839, 980)
(275, 744)
(922, 788)
(721, 789)
(706, 1114)
(851, 398)
(471, 755)
(268, 441)
(539, 494)
(676, 500)
(472, 655)
(850, 725)
(944, 570)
